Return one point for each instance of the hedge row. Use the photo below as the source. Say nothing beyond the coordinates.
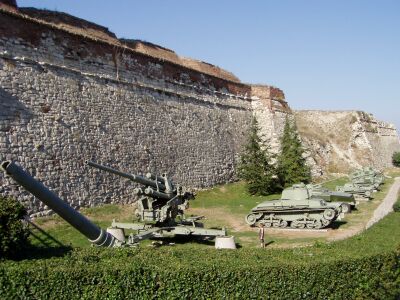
(133, 274)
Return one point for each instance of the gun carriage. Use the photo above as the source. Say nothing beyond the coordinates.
(160, 209)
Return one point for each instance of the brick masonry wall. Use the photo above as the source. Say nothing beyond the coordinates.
(56, 111)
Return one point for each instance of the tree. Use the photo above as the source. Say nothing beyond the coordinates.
(291, 165)
(396, 159)
(255, 167)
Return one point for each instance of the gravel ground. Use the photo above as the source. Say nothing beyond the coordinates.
(387, 204)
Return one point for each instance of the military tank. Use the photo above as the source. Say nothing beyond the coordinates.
(318, 191)
(357, 190)
(295, 209)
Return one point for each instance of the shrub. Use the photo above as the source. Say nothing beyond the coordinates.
(13, 233)
(396, 159)
(125, 273)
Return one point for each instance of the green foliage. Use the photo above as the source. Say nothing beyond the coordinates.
(366, 266)
(170, 273)
(396, 159)
(396, 205)
(13, 234)
(255, 164)
(291, 165)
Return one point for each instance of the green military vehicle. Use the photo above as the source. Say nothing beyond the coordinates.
(347, 199)
(295, 209)
(160, 209)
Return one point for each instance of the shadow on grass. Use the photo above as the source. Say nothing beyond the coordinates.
(45, 246)
(269, 243)
(337, 224)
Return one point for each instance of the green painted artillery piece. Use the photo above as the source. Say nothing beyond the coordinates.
(358, 191)
(160, 201)
(319, 192)
(367, 176)
(161, 207)
(363, 183)
(295, 209)
(94, 234)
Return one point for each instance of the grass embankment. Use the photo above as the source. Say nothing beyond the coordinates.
(363, 266)
(225, 205)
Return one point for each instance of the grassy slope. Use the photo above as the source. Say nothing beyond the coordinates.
(223, 205)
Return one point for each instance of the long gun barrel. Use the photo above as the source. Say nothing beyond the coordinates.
(95, 234)
(136, 178)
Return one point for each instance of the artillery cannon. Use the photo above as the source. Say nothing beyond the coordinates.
(95, 234)
(347, 199)
(367, 177)
(359, 191)
(161, 203)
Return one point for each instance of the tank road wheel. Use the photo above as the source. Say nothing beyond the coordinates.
(294, 224)
(267, 224)
(317, 224)
(325, 223)
(329, 214)
(346, 208)
(301, 225)
(310, 225)
(251, 219)
(276, 224)
(283, 224)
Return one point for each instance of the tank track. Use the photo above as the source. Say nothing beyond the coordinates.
(310, 219)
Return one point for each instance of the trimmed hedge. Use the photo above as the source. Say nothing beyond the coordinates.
(180, 273)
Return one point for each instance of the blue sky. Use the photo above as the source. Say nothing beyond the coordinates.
(329, 55)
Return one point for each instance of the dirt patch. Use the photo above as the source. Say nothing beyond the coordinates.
(222, 217)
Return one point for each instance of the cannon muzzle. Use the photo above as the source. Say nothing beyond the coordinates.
(95, 234)
(135, 178)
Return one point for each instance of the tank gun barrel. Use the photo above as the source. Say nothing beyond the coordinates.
(95, 234)
(135, 178)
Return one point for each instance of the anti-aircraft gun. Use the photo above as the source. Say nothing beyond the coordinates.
(160, 201)
(367, 176)
(160, 205)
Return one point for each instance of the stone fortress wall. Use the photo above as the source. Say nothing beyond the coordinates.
(341, 141)
(65, 99)
(71, 91)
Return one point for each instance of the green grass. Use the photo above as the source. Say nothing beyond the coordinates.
(382, 237)
(231, 196)
(225, 205)
(332, 184)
